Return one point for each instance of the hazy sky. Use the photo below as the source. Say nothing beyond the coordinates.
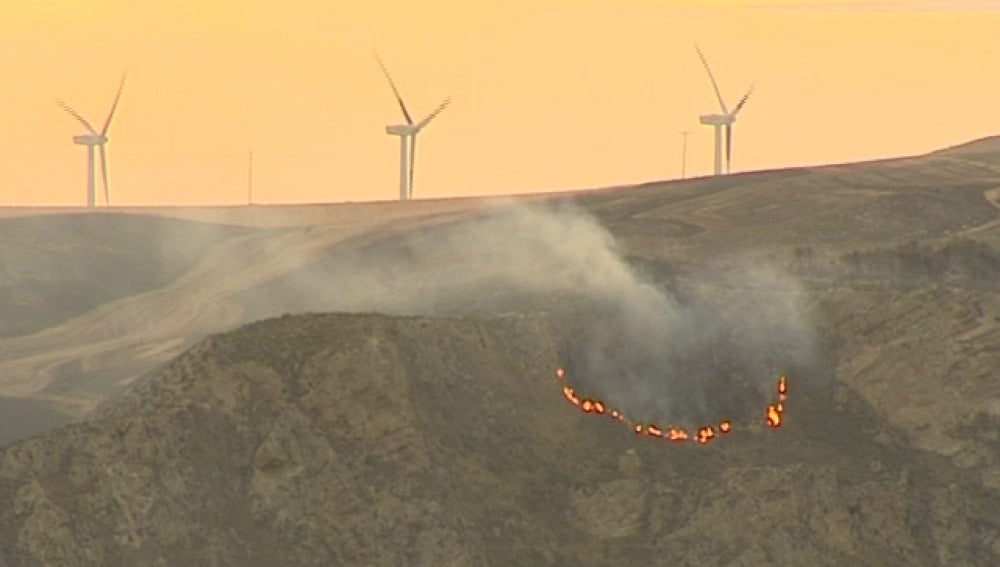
(548, 94)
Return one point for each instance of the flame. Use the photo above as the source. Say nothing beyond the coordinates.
(676, 434)
(773, 416)
(570, 395)
(703, 435)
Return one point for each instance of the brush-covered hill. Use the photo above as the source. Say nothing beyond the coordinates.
(374, 440)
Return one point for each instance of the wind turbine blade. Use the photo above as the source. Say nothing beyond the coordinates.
(395, 91)
(743, 100)
(729, 145)
(74, 114)
(413, 155)
(431, 116)
(104, 175)
(114, 105)
(712, 77)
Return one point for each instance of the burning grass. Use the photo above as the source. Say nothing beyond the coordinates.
(773, 415)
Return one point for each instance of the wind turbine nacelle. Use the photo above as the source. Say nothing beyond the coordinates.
(399, 130)
(716, 119)
(89, 140)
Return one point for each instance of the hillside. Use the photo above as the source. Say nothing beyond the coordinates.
(339, 439)
(377, 382)
(141, 290)
(53, 267)
(23, 418)
(116, 308)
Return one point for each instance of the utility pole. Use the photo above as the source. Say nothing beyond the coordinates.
(250, 178)
(684, 154)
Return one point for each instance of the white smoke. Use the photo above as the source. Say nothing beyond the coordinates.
(626, 339)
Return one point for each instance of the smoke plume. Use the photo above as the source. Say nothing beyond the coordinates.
(715, 344)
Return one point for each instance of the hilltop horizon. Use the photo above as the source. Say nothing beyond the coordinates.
(984, 144)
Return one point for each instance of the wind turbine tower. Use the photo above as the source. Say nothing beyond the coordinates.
(407, 136)
(94, 138)
(720, 121)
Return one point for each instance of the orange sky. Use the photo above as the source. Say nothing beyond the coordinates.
(548, 94)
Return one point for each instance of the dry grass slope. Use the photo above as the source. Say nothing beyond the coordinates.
(54, 267)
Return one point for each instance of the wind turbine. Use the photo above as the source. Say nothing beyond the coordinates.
(95, 139)
(719, 121)
(407, 133)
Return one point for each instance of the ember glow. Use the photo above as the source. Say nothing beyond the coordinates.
(774, 415)
(677, 435)
(570, 395)
(704, 434)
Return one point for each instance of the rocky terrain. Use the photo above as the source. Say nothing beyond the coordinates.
(408, 414)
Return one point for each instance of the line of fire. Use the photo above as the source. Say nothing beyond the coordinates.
(705, 434)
